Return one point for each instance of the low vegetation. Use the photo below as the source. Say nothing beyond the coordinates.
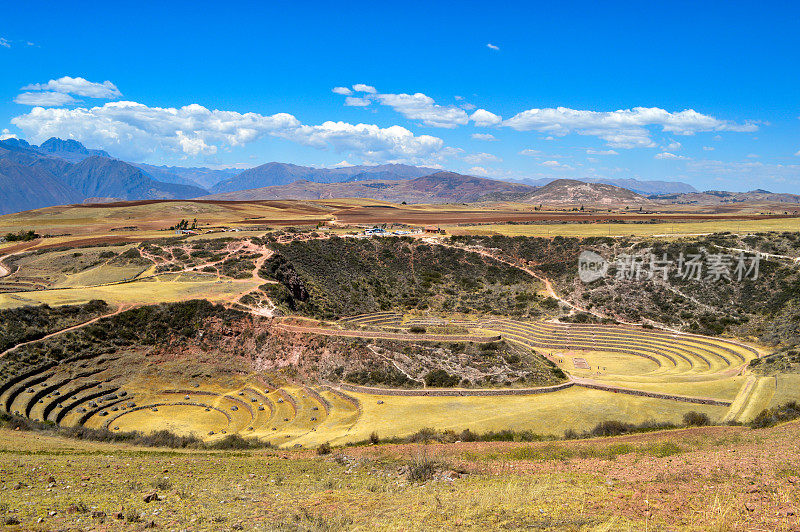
(338, 277)
(25, 324)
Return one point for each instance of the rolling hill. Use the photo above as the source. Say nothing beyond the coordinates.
(718, 197)
(439, 187)
(573, 192)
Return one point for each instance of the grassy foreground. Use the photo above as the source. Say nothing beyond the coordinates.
(717, 478)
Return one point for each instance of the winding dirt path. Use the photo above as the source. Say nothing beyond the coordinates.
(120, 309)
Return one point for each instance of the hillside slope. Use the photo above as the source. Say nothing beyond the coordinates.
(111, 178)
(274, 174)
(440, 187)
(573, 192)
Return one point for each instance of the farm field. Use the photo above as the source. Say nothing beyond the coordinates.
(628, 229)
(158, 289)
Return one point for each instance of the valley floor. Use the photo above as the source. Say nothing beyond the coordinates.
(715, 478)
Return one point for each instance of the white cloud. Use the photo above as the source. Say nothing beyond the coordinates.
(354, 101)
(620, 129)
(478, 170)
(391, 144)
(6, 134)
(360, 87)
(412, 106)
(673, 146)
(5, 43)
(468, 106)
(480, 158)
(483, 136)
(342, 164)
(492, 46)
(752, 156)
(421, 107)
(530, 152)
(590, 151)
(344, 91)
(749, 173)
(556, 164)
(667, 155)
(798, 153)
(708, 148)
(134, 130)
(484, 118)
(78, 86)
(45, 99)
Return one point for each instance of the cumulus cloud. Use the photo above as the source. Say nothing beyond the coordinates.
(135, 130)
(708, 148)
(590, 151)
(44, 99)
(354, 101)
(344, 91)
(483, 136)
(5, 43)
(478, 170)
(6, 134)
(372, 143)
(480, 158)
(484, 118)
(529, 152)
(620, 129)
(78, 86)
(421, 107)
(667, 155)
(492, 46)
(673, 146)
(556, 164)
(360, 87)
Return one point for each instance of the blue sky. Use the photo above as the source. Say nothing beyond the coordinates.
(702, 92)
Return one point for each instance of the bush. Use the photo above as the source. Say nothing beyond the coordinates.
(373, 438)
(324, 449)
(439, 378)
(773, 416)
(696, 419)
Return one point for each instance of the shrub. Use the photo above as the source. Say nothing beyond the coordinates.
(773, 416)
(324, 449)
(441, 379)
(696, 419)
(373, 438)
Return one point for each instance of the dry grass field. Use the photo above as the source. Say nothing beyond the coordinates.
(717, 478)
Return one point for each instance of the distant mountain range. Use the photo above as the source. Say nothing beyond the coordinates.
(273, 174)
(719, 197)
(65, 171)
(438, 187)
(61, 172)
